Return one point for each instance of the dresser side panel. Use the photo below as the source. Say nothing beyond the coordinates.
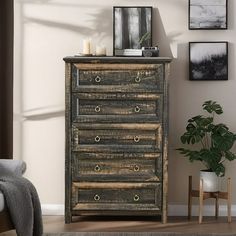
(68, 184)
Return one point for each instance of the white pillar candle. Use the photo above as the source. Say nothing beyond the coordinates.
(100, 50)
(86, 46)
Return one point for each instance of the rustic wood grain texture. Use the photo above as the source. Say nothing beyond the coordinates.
(117, 195)
(68, 214)
(122, 68)
(165, 143)
(135, 170)
(116, 107)
(116, 136)
(117, 60)
(85, 79)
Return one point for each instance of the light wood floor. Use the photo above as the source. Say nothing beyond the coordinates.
(55, 224)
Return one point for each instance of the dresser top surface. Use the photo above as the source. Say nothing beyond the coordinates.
(113, 59)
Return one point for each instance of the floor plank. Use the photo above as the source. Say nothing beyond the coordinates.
(54, 224)
(141, 224)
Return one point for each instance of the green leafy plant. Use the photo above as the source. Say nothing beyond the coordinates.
(215, 140)
(145, 37)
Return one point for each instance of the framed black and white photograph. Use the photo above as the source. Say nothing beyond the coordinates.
(207, 14)
(132, 29)
(208, 60)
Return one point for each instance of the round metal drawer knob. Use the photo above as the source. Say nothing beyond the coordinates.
(137, 79)
(136, 139)
(97, 139)
(136, 198)
(96, 197)
(98, 79)
(136, 168)
(137, 109)
(97, 168)
(97, 109)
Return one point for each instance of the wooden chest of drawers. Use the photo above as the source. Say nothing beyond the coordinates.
(116, 136)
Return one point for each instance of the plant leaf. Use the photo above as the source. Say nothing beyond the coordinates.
(223, 142)
(211, 106)
(230, 156)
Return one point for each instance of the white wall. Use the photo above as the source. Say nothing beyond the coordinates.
(48, 30)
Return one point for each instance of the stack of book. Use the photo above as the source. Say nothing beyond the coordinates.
(128, 52)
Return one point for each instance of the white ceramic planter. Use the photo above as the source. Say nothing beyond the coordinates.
(210, 181)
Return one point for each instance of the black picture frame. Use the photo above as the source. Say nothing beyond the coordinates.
(208, 14)
(122, 29)
(208, 60)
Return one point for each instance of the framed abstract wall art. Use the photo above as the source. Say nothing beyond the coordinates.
(208, 60)
(132, 28)
(207, 14)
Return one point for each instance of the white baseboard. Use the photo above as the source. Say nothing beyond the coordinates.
(173, 210)
(208, 210)
(53, 209)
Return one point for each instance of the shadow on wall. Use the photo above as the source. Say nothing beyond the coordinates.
(101, 27)
(159, 36)
(178, 71)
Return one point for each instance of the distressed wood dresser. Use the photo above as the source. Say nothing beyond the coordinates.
(116, 136)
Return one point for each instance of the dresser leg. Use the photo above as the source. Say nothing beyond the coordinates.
(68, 218)
(229, 190)
(189, 197)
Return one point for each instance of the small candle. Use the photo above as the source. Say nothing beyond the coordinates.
(100, 50)
(86, 46)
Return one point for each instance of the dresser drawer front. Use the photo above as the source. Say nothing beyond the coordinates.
(108, 106)
(121, 136)
(109, 170)
(121, 193)
(121, 78)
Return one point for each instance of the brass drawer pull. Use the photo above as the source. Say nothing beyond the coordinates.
(137, 79)
(98, 79)
(97, 168)
(137, 109)
(136, 198)
(136, 139)
(136, 168)
(97, 109)
(96, 197)
(97, 139)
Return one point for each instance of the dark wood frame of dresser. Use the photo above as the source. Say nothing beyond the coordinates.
(68, 182)
(6, 223)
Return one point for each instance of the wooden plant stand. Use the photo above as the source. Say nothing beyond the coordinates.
(205, 195)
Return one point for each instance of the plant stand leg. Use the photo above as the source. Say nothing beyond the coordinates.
(217, 206)
(189, 197)
(229, 199)
(200, 201)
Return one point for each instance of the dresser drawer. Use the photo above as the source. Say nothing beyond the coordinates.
(116, 106)
(113, 169)
(117, 137)
(107, 195)
(117, 77)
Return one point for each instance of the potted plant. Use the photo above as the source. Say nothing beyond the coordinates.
(144, 39)
(215, 141)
